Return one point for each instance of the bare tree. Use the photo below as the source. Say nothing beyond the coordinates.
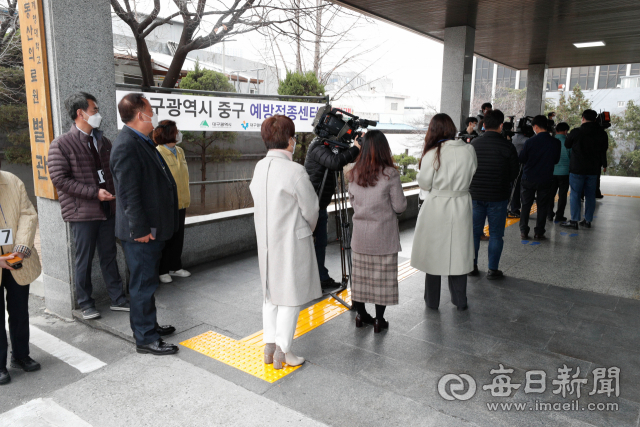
(232, 18)
(239, 194)
(9, 26)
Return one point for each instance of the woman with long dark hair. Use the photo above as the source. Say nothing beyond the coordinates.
(443, 240)
(376, 196)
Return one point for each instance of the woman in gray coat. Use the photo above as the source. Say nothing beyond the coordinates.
(286, 212)
(376, 195)
(443, 240)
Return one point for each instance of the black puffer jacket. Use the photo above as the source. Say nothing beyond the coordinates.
(498, 167)
(320, 158)
(588, 144)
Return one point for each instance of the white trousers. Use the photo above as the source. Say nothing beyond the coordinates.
(279, 324)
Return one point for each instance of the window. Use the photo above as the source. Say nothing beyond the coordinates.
(523, 79)
(635, 70)
(394, 106)
(556, 77)
(484, 78)
(583, 76)
(610, 75)
(621, 104)
(506, 77)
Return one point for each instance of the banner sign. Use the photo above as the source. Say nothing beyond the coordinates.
(208, 113)
(36, 77)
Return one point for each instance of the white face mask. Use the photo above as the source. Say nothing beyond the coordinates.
(179, 138)
(295, 142)
(154, 119)
(94, 121)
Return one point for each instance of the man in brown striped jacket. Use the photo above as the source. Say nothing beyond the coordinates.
(79, 169)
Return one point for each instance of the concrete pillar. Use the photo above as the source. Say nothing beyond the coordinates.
(457, 70)
(80, 58)
(536, 89)
(517, 79)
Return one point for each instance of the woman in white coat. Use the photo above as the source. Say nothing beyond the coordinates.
(286, 212)
(443, 240)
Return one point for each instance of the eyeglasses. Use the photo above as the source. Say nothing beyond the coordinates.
(295, 136)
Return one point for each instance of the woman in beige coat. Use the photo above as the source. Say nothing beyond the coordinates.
(285, 215)
(18, 223)
(443, 240)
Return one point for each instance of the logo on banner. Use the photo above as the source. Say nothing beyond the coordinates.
(245, 125)
(204, 124)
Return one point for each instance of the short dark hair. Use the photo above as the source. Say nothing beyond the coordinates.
(470, 120)
(540, 121)
(493, 119)
(590, 115)
(165, 133)
(78, 101)
(562, 126)
(276, 131)
(486, 105)
(130, 105)
(551, 114)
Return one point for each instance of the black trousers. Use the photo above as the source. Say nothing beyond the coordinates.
(560, 185)
(18, 309)
(515, 203)
(143, 260)
(598, 192)
(89, 235)
(457, 288)
(541, 193)
(172, 252)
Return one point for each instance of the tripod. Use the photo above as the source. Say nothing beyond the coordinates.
(343, 231)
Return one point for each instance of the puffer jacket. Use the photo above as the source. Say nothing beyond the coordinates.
(321, 157)
(562, 167)
(73, 172)
(588, 144)
(498, 167)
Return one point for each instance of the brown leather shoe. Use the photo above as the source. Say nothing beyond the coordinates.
(484, 237)
(379, 325)
(539, 236)
(366, 320)
(524, 236)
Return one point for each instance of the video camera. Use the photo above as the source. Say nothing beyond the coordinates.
(334, 130)
(465, 137)
(525, 126)
(507, 128)
(604, 120)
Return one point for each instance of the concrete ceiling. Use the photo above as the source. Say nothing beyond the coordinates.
(519, 33)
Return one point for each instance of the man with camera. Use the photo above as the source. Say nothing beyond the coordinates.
(323, 160)
(490, 188)
(538, 157)
(588, 145)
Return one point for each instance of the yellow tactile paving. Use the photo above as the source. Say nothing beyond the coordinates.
(247, 358)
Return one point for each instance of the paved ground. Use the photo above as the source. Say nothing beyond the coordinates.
(572, 300)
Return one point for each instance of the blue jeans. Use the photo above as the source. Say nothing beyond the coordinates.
(320, 243)
(580, 183)
(497, 214)
(143, 260)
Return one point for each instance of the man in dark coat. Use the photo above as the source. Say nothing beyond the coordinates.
(490, 188)
(588, 145)
(320, 159)
(146, 217)
(538, 157)
(80, 171)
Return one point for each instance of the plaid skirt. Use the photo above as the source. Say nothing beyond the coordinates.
(375, 278)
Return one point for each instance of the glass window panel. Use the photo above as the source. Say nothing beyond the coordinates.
(635, 69)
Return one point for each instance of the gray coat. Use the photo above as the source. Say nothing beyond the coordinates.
(375, 223)
(443, 240)
(286, 213)
(145, 189)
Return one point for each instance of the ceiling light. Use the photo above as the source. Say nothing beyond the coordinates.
(589, 44)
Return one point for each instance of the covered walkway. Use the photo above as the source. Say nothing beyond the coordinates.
(571, 300)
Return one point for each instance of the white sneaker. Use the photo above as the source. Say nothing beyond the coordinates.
(165, 278)
(180, 273)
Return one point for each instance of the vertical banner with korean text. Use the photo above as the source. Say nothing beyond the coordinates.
(209, 113)
(36, 75)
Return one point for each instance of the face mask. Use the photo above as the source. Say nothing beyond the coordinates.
(94, 121)
(295, 142)
(154, 119)
(179, 138)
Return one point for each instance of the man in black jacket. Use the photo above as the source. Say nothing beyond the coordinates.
(588, 145)
(146, 217)
(490, 188)
(538, 157)
(320, 159)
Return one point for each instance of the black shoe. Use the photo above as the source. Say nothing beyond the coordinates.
(165, 330)
(524, 236)
(585, 223)
(539, 236)
(550, 218)
(379, 325)
(475, 271)
(5, 378)
(513, 214)
(561, 219)
(27, 364)
(329, 285)
(158, 348)
(462, 308)
(570, 224)
(364, 320)
(484, 237)
(494, 274)
(600, 197)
